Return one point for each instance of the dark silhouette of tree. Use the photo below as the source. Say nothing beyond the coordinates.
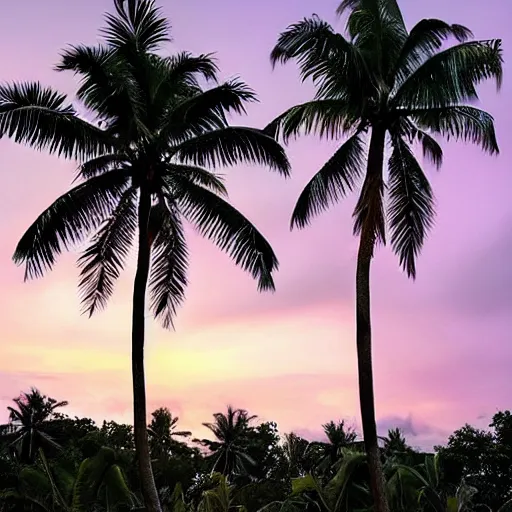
(229, 450)
(162, 431)
(29, 423)
(147, 166)
(383, 84)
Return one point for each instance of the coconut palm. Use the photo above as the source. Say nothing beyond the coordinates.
(162, 431)
(27, 430)
(148, 161)
(382, 83)
(229, 449)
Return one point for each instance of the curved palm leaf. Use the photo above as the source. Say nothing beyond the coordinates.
(199, 176)
(68, 221)
(206, 111)
(334, 180)
(168, 278)
(233, 145)
(38, 116)
(465, 123)
(102, 262)
(105, 85)
(329, 118)
(100, 165)
(335, 65)
(425, 38)
(411, 208)
(451, 76)
(228, 229)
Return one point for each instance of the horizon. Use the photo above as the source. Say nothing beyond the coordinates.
(232, 345)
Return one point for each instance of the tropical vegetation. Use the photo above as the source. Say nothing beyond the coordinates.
(246, 464)
(383, 85)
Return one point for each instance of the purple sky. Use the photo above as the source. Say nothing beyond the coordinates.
(443, 347)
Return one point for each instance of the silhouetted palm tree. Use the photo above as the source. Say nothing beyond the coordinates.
(27, 429)
(382, 84)
(229, 450)
(144, 173)
(339, 437)
(162, 431)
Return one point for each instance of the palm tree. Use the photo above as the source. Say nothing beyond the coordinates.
(338, 438)
(143, 173)
(383, 83)
(229, 450)
(27, 429)
(162, 431)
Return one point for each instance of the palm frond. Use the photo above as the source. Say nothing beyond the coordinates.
(136, 26)
(106, 84)
(200, 176)
(169, 264)
(411, 207)
(100, 165)
(39, 117)
(328, 118)
(465, 123)
(68, 221)
(334, 64)
(234, 145)
(102, 262)
(424, 40)
(334, 180)
(432, 151)
(206, 111)
(224, 225)
(451, 76)
(183, 71)
(377, 28)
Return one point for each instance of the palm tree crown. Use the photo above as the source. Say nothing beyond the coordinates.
(28, 422)
(407, 84)
(155, 130)
(229, 450)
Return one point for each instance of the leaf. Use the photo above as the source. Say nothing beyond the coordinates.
(169, 265)
(334, 180)
(220, 222)
(451, 76)
(137, 26)
(68, 221)
(234, 145)
(411, 208)
(465, 123)
(328, 118)
(101, 263)
(39, 117)
(207, 110)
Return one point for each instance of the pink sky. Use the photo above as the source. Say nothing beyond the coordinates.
(443, 347)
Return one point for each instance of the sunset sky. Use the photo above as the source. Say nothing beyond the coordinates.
(443, 344)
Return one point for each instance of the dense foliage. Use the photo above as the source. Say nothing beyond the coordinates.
(79, 465)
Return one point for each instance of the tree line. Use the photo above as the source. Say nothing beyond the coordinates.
(156, 131)
(50, 462)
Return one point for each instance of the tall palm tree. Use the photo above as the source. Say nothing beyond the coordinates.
(384, 84)
(143, 173)
(27, 430)
(229, 450)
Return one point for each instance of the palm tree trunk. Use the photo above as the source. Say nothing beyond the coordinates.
(364, 331)
(147, 482)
